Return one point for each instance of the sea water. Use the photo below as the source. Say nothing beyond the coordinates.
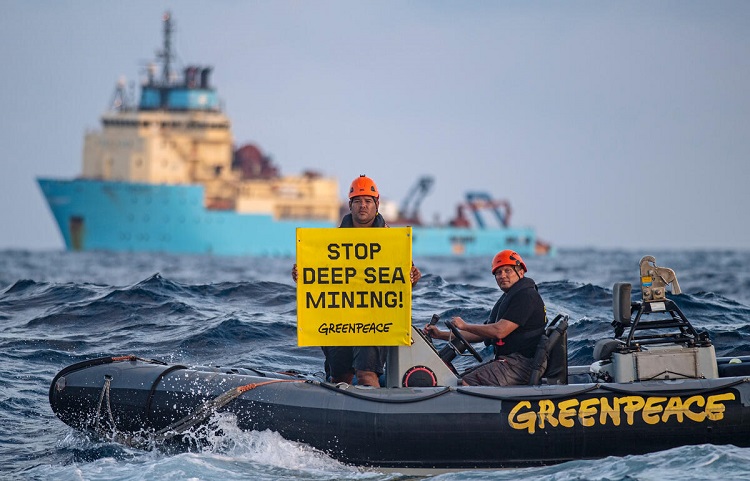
(58, 308)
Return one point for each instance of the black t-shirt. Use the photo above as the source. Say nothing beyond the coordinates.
(521, 305)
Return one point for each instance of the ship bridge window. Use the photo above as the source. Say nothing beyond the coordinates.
(194, 124)
(120, 123)
(462, 239)
(174, 124)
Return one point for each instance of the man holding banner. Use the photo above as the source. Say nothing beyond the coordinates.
(343, 362)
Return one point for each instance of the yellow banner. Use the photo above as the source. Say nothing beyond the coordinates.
(353, 287)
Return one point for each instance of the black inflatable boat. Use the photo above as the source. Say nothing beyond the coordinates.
(656, 385)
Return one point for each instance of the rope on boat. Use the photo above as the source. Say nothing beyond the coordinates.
(605, 387)
(526, 397)
(104, 395)
(676, 392)
(210, 407)
(204, 411)
(133, 357)
(383, 399)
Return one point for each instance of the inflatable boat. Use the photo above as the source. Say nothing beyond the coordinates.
(656, 384)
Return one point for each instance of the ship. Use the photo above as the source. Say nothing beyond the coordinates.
(163, 175)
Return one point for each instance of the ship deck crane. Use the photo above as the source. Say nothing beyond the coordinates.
(408, 213)
(482, 201)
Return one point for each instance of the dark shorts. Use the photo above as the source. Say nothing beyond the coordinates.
(341, 360)
(370, 358)
(510, 370)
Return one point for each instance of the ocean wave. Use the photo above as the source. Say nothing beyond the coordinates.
(199, 310)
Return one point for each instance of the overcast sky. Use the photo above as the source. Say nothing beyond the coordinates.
(605, 124)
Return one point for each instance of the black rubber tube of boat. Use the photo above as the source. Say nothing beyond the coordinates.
(525, 397)
(380, 399)
(685, 392)
(82, 365)
(107, 360)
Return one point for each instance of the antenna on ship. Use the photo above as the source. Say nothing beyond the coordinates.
(166, 54)
(120, 99)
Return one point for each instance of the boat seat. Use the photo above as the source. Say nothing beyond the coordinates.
(604, 348)
(552, 348)
(621, 304)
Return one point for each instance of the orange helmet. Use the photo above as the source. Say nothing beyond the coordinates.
(363, 185)
(507, 258)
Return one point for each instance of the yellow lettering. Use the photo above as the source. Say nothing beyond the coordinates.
(714, 408)
(652, 409)
(632, 404)
(692, 415)
(608, 410)
(547, 412)
(567, 411)
(525, 420)
(587, 411)
(674, 408)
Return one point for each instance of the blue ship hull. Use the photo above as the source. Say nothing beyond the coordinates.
(131, 217)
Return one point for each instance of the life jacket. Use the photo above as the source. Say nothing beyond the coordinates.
(378, 222)
(518, 338)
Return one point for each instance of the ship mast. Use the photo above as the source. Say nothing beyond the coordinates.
(166, 54)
